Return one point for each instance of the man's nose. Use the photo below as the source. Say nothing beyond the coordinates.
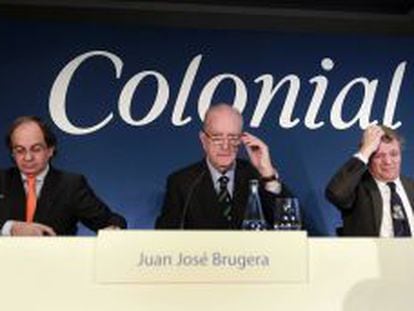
(28, 156)
(387, 160)
(226, 145)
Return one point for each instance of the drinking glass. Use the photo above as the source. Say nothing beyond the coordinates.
(287, 214)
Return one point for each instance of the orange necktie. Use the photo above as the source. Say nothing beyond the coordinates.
(31, 198)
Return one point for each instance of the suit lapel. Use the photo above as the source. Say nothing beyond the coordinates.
(15, 196)
(44, 202)
(206, 207)
(376, 201)
(206, 197)
(409, 190)
(240, 194)
(206, 200)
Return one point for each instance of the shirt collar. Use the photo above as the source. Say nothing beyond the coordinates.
(215, 174)
(39, 177)
(383, 184)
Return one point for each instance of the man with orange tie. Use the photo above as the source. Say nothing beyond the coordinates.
(36, 199)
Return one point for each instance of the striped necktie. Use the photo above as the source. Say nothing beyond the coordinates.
(224, 197)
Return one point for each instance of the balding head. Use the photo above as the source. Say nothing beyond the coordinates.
(223, 111)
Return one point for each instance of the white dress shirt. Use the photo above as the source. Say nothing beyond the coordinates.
(386, 229)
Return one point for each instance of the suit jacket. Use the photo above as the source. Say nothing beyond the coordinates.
(355, 193)
(64, 200)
(191, 201)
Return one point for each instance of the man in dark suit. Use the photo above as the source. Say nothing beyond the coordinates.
(37, 199)
(194, 194)
(373, 197)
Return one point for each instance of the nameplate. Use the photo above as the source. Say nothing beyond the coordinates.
(149, 256)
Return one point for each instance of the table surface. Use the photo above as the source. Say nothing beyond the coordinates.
(344, 274)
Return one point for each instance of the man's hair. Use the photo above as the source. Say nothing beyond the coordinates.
(218, 107)
(390, 135)
(48, 135)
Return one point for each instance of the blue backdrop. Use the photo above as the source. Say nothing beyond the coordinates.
(126, 102)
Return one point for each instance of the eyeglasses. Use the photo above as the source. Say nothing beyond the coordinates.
(220, 140)
(21, 152)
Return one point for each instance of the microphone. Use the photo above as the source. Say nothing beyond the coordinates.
(189, 197)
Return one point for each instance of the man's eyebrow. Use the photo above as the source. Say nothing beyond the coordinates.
(37, 144)
(34, 145)
(221, 134)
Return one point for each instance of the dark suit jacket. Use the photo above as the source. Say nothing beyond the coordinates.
(64, 200)
(355, 193)
(192, 189)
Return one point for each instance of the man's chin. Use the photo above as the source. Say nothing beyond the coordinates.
(389, 177)
(29, 171)
(225, 166)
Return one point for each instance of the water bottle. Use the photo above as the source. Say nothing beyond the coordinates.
(253, 216)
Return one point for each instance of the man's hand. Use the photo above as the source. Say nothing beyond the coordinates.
(371, 139)
(259, 155)
(20, 228)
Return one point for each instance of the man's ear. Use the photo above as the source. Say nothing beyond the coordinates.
(11, 156)
(51, 152)
(203, 138)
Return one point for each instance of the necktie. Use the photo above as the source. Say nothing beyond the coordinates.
(224, 197)
(30, 198)
(399, 218)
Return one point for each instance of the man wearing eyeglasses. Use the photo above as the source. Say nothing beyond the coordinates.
(36, 199)
(194, 195)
